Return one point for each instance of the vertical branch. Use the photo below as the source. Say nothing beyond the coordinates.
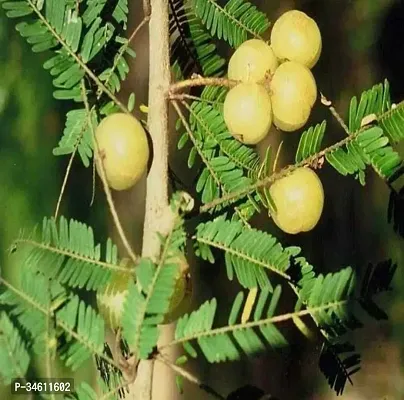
(158, 217)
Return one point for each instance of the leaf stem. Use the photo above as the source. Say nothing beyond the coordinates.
(254, 324)
(335, 113)
(198, 80)
(76, 57)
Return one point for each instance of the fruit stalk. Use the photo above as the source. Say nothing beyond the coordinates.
(157, 213)
(201, 81)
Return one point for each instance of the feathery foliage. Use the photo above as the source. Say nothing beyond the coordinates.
(84, 392)
(234, 22)
(227, 163)
(310, 141)
(338, 290)
(224, 343)
(88, 62)
(67, 253)
(32, 305)
(149, 300)
(369, 146)
(77, 135)
(248, 252)
(338, 371)
(192, 48)
(84, 332)
(328, 299)
(375, 101)
(76, 39)
(81, 38)
(14, 357)
(41, 300)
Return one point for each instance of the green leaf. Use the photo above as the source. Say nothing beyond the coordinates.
(228, 343)
(14, 357)
(89, 330)
(148, 302)
(67, 253)
(248, 252)
(192, 48)
(234, 22)
(310, 141)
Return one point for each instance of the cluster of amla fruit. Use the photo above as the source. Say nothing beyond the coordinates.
(276, 83)
(277, 86)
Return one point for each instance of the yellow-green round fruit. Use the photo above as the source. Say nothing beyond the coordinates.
(111, 299)
(181, 300)
(296, 37)
(247, 112)
(252, 62)
(299, 201)
(293, 94)
(124, 150)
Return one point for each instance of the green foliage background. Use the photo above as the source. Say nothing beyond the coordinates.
(30, 177)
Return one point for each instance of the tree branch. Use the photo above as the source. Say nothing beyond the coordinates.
(158, 216)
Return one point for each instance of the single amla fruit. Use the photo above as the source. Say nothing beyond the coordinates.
(247, 112)
(299, 201)
(111, 299)
(293, 93)
(124, 150)
(296, 37)
(181, 301)
(252, 62)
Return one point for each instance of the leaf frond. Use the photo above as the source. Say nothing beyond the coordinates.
(84, 333)
(14, 357)
(225, 343)
(67, 252)
(338, 370)
(248, 252)
(76, 36)
(147, 303)
(77, 136)
(310, 141)
(192, 48)
(234, 22)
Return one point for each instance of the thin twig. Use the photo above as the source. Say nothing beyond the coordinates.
(122, 52)
(189, 377)
(255, 324)
(107, 190)
(66, 177)
(186, 96)
(93, 184)
(335, 113)
(201, 81)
